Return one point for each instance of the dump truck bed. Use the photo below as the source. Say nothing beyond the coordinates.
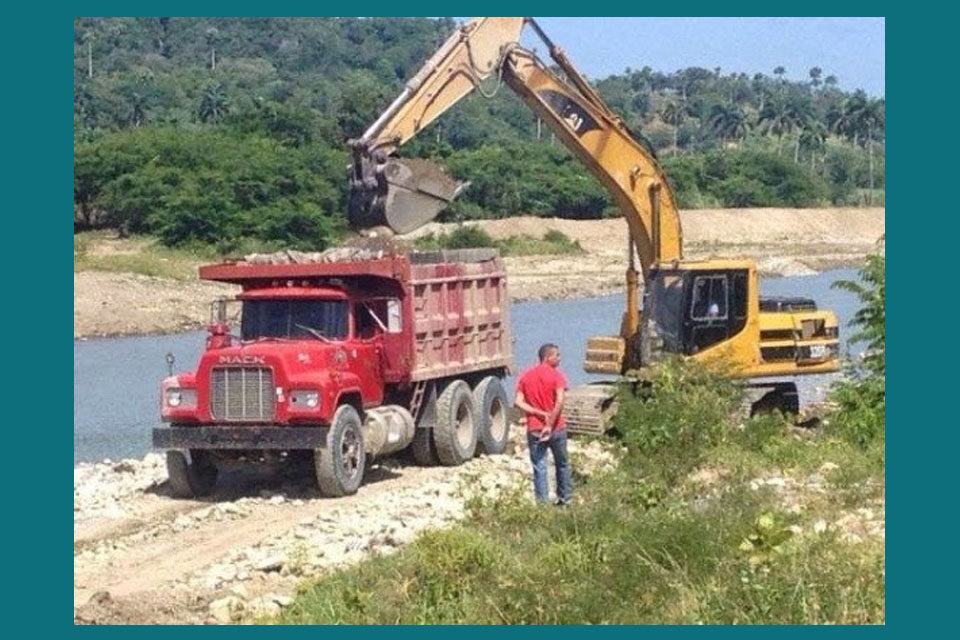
(455, 302)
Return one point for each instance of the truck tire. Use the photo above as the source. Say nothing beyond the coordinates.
(191, 479)
(423, 448)
(455, 433)
(493, 423)
(340, 465)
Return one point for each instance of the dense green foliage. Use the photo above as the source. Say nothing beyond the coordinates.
(210, 186)
(216, 129)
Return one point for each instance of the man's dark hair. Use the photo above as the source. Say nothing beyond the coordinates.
(545, 349)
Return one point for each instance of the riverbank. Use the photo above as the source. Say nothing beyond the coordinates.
(783, 242)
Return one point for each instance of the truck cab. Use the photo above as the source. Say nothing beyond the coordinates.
(300, 349)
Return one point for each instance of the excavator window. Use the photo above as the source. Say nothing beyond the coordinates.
(738, 299)
(709, 298)
(716, 304)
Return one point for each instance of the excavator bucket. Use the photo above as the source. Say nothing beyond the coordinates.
(402, 194)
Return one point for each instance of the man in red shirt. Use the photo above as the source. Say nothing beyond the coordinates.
(539, 395)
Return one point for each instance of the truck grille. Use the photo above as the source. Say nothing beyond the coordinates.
(242, 393)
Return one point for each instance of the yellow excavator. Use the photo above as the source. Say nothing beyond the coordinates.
(709, 310)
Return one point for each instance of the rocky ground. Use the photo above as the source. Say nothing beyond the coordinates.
(142, 557)
(785, 242)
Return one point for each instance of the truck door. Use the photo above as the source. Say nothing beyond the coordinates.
(380, 324)
(368, 344)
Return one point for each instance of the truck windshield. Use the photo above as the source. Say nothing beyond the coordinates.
(663, 310)
(297, 319)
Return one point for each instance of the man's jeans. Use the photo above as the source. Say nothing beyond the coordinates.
(538, 456)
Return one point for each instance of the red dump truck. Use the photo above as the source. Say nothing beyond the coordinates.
(345, 358)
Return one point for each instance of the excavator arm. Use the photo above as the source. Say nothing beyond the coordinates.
(405, 194)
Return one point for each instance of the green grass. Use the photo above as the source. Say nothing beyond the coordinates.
(552, 242)
(645, 542)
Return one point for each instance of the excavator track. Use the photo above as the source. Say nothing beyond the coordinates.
(589, 408)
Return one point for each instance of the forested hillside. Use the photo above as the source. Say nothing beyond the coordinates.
(221, 131)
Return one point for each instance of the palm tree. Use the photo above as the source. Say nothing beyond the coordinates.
(782, 116)
(813, 137)
(874, 123)
(848, 120)
(214, 104)
(775, 118)
(728, 121)
(212, 36)
(862, 121)
(815, 74)
(138, 109)
(88, 38)
(780, 71)
(674, 113)
(801, 113)
(830, 81)
(759, 86)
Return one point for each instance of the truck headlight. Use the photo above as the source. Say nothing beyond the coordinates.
(183, 398)
(305, 398)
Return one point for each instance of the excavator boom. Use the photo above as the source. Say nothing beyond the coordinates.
(405, 194)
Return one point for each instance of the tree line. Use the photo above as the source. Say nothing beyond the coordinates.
(219, 130)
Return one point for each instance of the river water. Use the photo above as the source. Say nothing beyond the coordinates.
(116, 380)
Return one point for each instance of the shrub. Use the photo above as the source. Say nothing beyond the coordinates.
(470, 236)
(679, 411)
(860, 416)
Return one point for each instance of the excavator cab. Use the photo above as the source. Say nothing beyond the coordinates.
(693, 309)
(688, 307)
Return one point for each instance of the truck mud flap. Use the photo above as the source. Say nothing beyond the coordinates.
(239, 437)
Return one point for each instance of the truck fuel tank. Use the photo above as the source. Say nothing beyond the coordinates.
(387, 429)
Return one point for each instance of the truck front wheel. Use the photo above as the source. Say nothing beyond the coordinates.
(456, 431)
(191, 479)
(492, 416)
(341, 463)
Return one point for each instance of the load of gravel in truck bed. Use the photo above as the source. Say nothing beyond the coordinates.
(372, 249)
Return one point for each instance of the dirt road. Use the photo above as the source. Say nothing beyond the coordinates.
(782, 241)
(142, 557)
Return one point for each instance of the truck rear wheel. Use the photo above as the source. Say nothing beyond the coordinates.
(340, 465)
(191, 479)
(493, 424)
(455, 433)
(423, 448)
